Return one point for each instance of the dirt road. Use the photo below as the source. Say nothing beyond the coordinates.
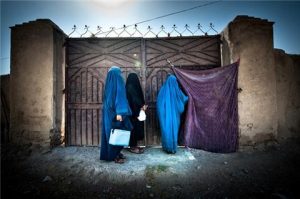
(269, 170)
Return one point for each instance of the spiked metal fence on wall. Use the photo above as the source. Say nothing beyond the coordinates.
(136, 32)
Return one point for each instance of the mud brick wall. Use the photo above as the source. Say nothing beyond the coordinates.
(34, 83)
(288, 93)
(251, 40)
(5, 107)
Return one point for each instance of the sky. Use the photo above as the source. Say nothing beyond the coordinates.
(116, 13)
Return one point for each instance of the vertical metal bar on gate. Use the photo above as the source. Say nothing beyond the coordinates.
(143, 57)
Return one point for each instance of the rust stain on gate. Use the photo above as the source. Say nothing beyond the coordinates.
(88, 60)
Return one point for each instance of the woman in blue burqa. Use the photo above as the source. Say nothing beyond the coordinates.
(136, 101)
(115, 114)
(170, 104)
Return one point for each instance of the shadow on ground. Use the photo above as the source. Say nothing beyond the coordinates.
(269, 170)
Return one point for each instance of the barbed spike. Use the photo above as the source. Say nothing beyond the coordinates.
(150, 31)
(74, 28)
(124, 30)
(199, 27)
(211, 25)
(86, 30)
(136, 30)
(174, 30)
(162, 29)
(187, 28)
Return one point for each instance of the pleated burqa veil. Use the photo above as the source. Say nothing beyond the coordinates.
(114, 103)
(170, 104)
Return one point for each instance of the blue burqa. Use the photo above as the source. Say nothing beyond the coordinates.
(170, 104)
(114, 103)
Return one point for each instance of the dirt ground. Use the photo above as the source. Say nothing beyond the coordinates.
(268, 170)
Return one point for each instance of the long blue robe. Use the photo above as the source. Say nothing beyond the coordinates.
(114, 103)
(170, 104)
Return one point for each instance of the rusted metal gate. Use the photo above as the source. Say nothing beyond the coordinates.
(88, 60)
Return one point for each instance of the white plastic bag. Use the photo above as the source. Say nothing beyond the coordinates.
(142, 115)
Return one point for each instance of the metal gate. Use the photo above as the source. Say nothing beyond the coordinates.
(87, 63)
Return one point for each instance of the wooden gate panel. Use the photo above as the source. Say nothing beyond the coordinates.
(88, 60)
(84, 98)
(189, 52)
(104, 52)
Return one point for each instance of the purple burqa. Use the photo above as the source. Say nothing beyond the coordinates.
(211, 121)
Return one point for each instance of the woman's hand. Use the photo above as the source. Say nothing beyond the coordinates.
(119, 118)
(145, 107)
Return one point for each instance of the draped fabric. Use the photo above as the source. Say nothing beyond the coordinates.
(136, 101)
(114, 103)
(170, 104)
(211, 121)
